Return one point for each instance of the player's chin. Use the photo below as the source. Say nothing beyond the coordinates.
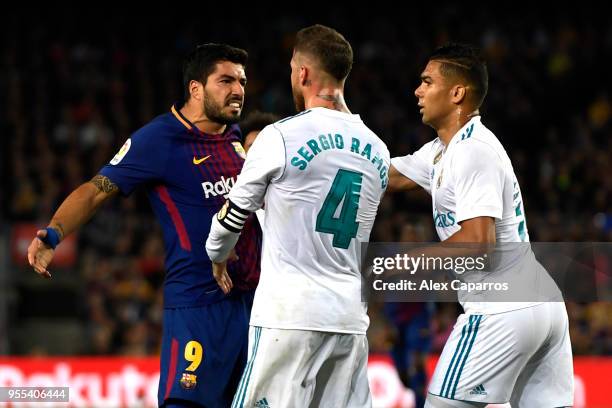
(233, 114)
(233, 111)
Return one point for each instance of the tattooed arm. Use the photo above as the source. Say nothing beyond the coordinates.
(81, 204)
(75, 211)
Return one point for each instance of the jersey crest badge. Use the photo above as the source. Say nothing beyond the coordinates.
(438, 157)
(440, 179)
(122, 152)
(239, 149)
(189, 381)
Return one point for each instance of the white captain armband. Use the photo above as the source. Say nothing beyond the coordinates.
(232, 217)
(225, 230)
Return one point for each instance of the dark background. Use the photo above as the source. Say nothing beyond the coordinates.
(74, 84)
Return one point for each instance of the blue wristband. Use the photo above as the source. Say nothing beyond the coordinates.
(52, 238)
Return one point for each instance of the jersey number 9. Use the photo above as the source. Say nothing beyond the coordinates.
(193, 354)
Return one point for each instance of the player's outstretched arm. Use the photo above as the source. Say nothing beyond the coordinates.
(75, 211)
(264, 164)
(399, 182)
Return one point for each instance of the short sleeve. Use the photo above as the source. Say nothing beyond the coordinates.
(265, 163)
(417, 166)
(141, 159)
(479, 181)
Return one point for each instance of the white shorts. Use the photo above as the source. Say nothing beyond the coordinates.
(523, 356)
(299, 368)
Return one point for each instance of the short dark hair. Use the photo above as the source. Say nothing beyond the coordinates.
(200, 63)
(329, 47)
(466, 62)
(257, 120)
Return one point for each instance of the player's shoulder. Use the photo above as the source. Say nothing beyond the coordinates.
(294, 127)
(477, 140)
(380, 144)
(314, 117)
(476, 154)
(317, 120)
(432, 146)
(163, 126)
(291, 122)
(430, 150)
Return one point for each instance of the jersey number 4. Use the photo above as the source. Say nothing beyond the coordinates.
(344, 190)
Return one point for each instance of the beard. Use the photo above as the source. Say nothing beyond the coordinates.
(214, 111)
(298, 99)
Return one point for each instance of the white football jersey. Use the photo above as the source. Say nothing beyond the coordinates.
(473, 177)
(321, 175)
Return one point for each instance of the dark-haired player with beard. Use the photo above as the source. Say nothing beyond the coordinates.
(187, 160)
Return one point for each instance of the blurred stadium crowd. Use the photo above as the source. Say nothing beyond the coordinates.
(73, 89)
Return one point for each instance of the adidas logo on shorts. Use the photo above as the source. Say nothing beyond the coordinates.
(262, 403)
(478, 390)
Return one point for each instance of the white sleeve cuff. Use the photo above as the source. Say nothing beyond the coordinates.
(220, 241)
(479, 211)
(410, 167)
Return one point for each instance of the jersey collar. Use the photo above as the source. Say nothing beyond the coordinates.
(179, 116)
(464, 132)
(229, 130)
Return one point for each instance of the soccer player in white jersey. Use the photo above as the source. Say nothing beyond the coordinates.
(498, 351)
(321, 175)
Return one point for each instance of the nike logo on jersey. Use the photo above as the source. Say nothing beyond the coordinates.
(198, 161)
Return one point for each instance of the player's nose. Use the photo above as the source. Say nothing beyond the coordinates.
(238, 90)
(418, 93)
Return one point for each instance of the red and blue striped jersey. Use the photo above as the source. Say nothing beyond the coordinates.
(187, 175)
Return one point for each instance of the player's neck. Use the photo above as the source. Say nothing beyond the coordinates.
(327, 97)
(198, 119)
(452, 124)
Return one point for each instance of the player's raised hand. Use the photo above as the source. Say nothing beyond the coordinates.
(40, 254)
(220, 273)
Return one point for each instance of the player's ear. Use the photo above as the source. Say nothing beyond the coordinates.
(196, 90)
(458, 93)
(304, 75)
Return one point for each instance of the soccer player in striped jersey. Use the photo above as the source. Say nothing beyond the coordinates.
(498, 351)
(187, 160)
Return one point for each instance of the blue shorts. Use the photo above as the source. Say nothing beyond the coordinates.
(204, 350)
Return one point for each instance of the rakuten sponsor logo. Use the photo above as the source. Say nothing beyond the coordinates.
(126, 387)
(132, 382)
(221, 187)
